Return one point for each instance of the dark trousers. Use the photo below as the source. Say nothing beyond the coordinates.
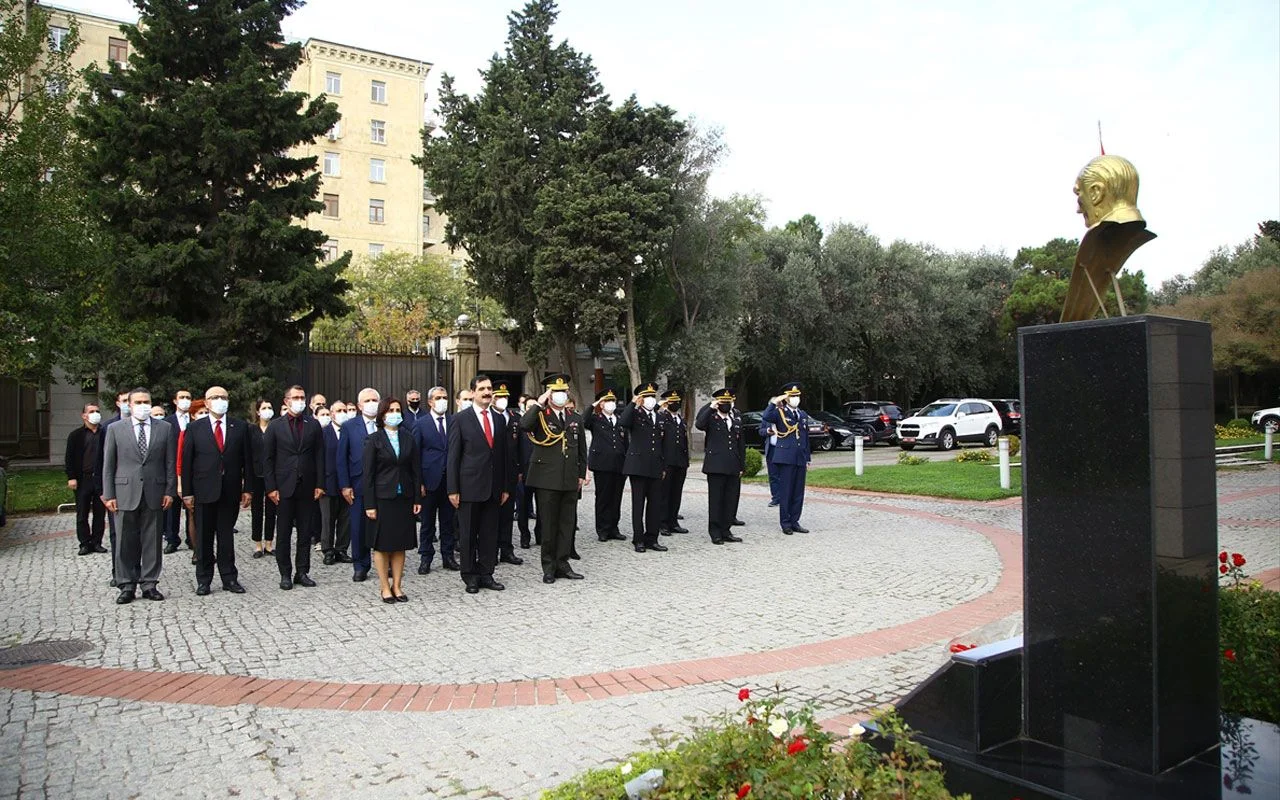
(558, 516)
(172, 522)
(722, 503)
(478, 539)
(335, 524)
(609, 487)
(361, 559)
(437, 508)
(506, 526)
(263, 512)
(298, 510)
(672, 492)
(214, 524)
(88, 503)
(524, 505)
(790, 494)
(645, 502)
(773, 474)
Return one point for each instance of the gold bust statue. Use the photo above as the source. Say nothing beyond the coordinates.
(1107, 195)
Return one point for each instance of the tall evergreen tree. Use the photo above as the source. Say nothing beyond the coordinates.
(214, 280)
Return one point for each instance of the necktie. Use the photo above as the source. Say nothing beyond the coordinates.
(488, 430)
(295, 423)
(440, 426)
(142, 441)
(560, 416)
(217, 434)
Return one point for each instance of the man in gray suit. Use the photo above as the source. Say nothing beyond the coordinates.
(139, 483)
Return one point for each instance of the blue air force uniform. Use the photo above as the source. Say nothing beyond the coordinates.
(790, 456)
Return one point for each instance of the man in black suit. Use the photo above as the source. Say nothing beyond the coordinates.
(217, 467)
(480, 473)
(643, 466)
(432, 437)
(605, 458)
(507, 514)
(675, 462)
(413, 410)
(723, 463)
(83, 465)
(294, 462)
(179, 419)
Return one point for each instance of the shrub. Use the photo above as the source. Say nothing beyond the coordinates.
(974, 457)
(909, 460)
(754, 462)
(1015, 445)
(1249, 635)
(1235, 429)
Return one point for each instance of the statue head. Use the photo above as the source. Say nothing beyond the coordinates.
(1107, 191)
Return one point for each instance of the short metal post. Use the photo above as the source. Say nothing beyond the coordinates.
(1266, 447)
(1005, 481)
(857, 453)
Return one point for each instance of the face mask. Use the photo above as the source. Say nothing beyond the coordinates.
(184, 404)
(393, 419)
(725, 407)
(500, 404)
(339, 418)
(323, 419)
(218, 406)
(440, 406)
(202, 414)
(370, 408)
(266, 413)
(793, 401)
(560, 399)
(650, 403)
(610, 407)
(95, 417)
(123, 406)
(298, 406)
(464, 405)
(674, 408)
(141, 411)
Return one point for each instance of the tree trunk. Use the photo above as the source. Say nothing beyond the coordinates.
(569, 358)
(630, 348)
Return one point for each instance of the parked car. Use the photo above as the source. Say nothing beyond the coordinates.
(882, 415)
(842, 432)
(1010, 412)
(819, 432)
(946, 423)
(1267, 419)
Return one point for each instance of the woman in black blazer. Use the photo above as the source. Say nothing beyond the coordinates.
(264, 511)
(392, 488)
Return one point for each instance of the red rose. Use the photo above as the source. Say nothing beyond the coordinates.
(744, 790)
(1223, 556)
(960, 648)
(1237, 559)
(1229, 654)
(798, 746)
(744, 694)
(1223, 569)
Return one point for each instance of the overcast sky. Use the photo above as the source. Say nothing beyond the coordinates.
(962, 125)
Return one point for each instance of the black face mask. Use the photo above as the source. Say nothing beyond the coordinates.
(725, 407)
(674, 408)
(414, 404)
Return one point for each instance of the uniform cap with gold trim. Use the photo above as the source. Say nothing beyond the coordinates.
(791, 389)
(502, 391)
(724, 395)
(557, 383)
(671, 397)
(606, 393)
(645, 389)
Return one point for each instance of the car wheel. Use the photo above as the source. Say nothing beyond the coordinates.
(1271, 424)
(993, 435)
(828, 445)
(907, 446)
(946, 439)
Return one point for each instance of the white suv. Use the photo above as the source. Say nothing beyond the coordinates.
(1268, 419)
(946, 422)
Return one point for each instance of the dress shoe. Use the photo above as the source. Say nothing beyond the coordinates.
(570, 574)
(787, 531)
(732, 538)
(233, 586)
(738, 522)
(604, 538)
(285, 583)
(152, 594)
(574, 555)
(257, 554)
(452, 565)
(639, 548)
(329, 559)
(799, 529)
(490, 583)
(717, 541)
(548, 578)
(97, 548)
(169, 549)
(617, 537)
(342, 558)
(524, 544)
(473, 589)
(661, 548)
(511, 558)
(112, 583)
(303, 580)
(360, 576)
(664, 532)
(85, 550)
(679, 529)
(402, 598)
(389, 600)
(679, 516)
(202, 590)
(773, 504)
(125, 596)
(424, 569)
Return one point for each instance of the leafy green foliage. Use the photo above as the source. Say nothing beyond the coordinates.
(213, 279)
(1245, 317)
(1015, 445)
(1041, 287)
(1224, 266)
(1249, 633)
(754, 463)
(975, 457)
(908, 460)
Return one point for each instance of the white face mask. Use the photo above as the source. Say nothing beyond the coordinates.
(560, 399)
(393, 419)
(441, 405)
(610, 407)
(464, 405)
(266, 413)
(201, 414)
(141, 411)
(370, 408)
(339, 418)
(298, 406)
(323, 419)
(95, 417)
(218, 406)
(123, 406)
(500, 404)
(650, 403)
(794, 401)
(184, 404)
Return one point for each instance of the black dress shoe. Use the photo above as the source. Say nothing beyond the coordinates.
(680, 529)
(732, 538)
(97, 548)
(661, 548)
(472, 589)
(548, 578)
(574, 555)
(202, 590)
(787, 531)
(511, 558)
(330, 559)
(360, 577)
(85, 550)
(679, 516)
(152, 594)
(424, 569)
(664, 532)
(303, 580)
(342, 558)
(570, 574)
(799, 529)
(285, 583)
(170, 548)
(617, 537)
(524, 544)
(490, 583)
(452, 565)
(639, 548)
(717, 541)
(402, 598)
(603, 538)
(738, 522)
(389, 600)
(125, 596)
(234, 587)
(773, 504)
(257, 554)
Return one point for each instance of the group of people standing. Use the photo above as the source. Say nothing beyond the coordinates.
(383, 477)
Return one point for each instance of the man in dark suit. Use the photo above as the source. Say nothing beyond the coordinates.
(605, 458)
(432, 436)
(643, 466)
(350, 474)
(507, 513)
(413, 409)
(294, 475)
(791, 456)
(480, 473)
(217, 469)
(557, 471)
(723, 463)
(83, 465)
(179, 419)
(675, 461)
(335, 522)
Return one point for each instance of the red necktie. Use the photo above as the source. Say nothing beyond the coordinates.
(217, 434)
(488, 429)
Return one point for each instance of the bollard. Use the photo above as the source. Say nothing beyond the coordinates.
(857, 454)
(1005, 481)
(1266, 447)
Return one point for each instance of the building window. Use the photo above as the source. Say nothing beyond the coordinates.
(375, 249)
(332, 83)
(378, 131)
(331, 248)
(377, 211)
(378, 91)
(335, 132)
(330, 205)
(57, 37)
(377, 170)
(117, 50)
(332, 164)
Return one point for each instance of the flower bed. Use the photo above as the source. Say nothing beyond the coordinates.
(1249, 634)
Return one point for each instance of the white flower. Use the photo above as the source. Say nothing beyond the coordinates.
(626, 768)
(779, 727)
(856, 731)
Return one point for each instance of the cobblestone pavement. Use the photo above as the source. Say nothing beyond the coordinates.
(848, 617)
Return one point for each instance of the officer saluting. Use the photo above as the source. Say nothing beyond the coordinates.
(723, 463)
(643, 466)
(608, 451)
(790, 455)
(675, 459)
(557, 471)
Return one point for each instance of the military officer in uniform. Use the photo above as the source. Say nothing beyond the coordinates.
(723, 463)
(791, 455)
(643, 466)
(675, 459)
(507, 513)
(608, 451)
(557, 472)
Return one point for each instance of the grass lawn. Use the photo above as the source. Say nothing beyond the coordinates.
(1251, 439)
(36, 490)
(935, 479)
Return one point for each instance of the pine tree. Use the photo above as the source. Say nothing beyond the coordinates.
(213, 279)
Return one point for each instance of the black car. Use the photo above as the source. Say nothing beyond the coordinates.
(843, 432)
(1010, 416)
(881, 415)
(819, 433)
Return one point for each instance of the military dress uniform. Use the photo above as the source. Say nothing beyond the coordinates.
(643, 467)
(723, 462)
(507, 511)
(605, 458)
(557, 467)
(791, 456)
(675, 460)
